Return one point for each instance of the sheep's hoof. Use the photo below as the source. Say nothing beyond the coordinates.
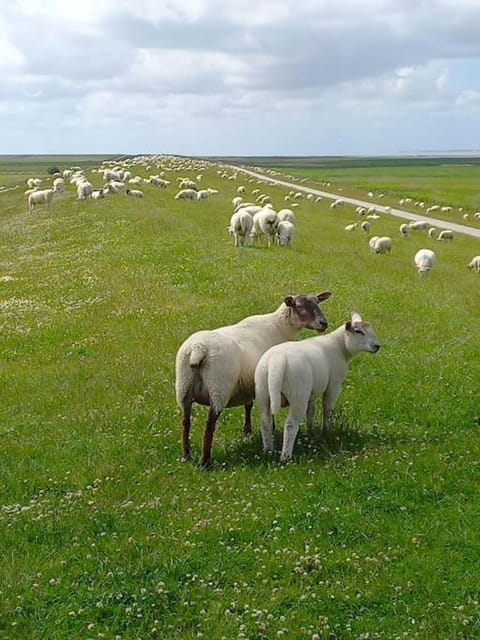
(186, 458)
(205, 466)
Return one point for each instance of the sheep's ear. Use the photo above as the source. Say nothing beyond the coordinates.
(289, 301)
(321, 297)
(348, 326)
(356, 318)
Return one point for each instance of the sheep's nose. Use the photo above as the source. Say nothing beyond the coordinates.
(376, 347)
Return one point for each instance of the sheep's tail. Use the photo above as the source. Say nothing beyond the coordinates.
(276, 375)
(198, 353)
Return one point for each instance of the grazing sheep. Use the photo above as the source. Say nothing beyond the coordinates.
(203, 194)
(265, 224)
(134, 193)
(404, 230)
(186, 194)
(59, 185)
(351, 227)
(372, 242)
(298, 372)
(285, 233)
(383, 245)
(237, 201)
(40, 197)
(387, 209)
(477, 215)
(365, 226)
(446, 209)
(240, 189)
(241, 224)
(474, 264)
(158, 182)
(419, 225)
(84, 189)
(424, 260)
(187, 184)
(446, 234)
(431, 232)
(286, 214)
(216, 368)
(433, 208)
(337, 203)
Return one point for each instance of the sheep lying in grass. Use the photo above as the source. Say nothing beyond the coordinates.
(424, 260)
(299, 372)
(474, 264)
(216, 368)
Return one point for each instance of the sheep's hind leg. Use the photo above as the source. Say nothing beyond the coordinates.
(206, 459)
(186, 423)
(311, 417)
(247, 424)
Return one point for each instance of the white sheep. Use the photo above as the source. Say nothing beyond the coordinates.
(419, 225)
(474, 264)
(404, 230)
(434, 207)
(286, 214)
(134, 193)
(187, 184)
(59, 185)
(45, 196)
(424, 260)
(372, 242)
(84, 189)
(383, 245)
(158, 182)
(446, 234)
(351, 227)
(216, 368)
(203, 194)
(337, 203)
(241, 224)
(299, 372)
(265, 224)
(365, 226)
(240, 189)
(114, 186)
(285, 233)
(186, 194)
(237, 201)
(432, 232)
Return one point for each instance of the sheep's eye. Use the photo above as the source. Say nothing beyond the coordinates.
(360, 331)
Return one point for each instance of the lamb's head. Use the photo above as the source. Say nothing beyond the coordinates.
(305, 311)
(360, 336)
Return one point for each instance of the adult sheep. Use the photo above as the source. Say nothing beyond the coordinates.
(216, 368)
(383, 245)
(265, 224)
(45, 196)
(446, 234)
(241, 224)
(474, 264)
(186, 194)
(285, 233)
(299, 372)
(286, 214)
(424, 260)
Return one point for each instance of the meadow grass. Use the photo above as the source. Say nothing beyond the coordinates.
(106, 534)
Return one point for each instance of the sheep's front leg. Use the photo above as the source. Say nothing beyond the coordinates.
(311, 416)
(247, 424)
(206, 459)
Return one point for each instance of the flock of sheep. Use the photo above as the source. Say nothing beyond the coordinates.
(257, 358)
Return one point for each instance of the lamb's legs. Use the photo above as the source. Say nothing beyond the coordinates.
(186, 423)
(247, 424)
(329, 398)
(206, 460)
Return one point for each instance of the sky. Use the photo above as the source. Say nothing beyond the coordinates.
(239, 77)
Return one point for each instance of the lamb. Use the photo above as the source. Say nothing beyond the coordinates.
(404, 230)
(474, 264)
(285, 233)
(40, 197)
(216, 368)
(446, 234)
(265, 224)
(241, 224)
(424, 260)
(383, 245)
(97, 194)
(186, 194)
(299, 372)
(134, 193)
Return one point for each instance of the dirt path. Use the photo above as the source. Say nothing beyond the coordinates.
(400, 213)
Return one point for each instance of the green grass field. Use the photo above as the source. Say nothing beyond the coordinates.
(106, 534)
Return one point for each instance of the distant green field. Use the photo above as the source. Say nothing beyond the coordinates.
(106, 534)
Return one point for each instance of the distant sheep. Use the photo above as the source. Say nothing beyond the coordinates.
(295, 373)
(424, 260)
(446, 234)
(404, 230)
(351, 227)
(186, 194)
(419, 225)
(365, 226)
(134, 193)
(40, 197)
(474, 264)
(383, 245)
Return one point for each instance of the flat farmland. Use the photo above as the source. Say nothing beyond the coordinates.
(372, 533)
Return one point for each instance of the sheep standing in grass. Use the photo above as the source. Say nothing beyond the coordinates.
(285, 233)
(365, 226)
(299, 372)
(45, 196)
(372, 242)
(446, 234)
(265, 224)
(186, 194)
(383, 245)
(241, 224)
(216, 368)
(404, 230)
(424, 261)
(474, 264)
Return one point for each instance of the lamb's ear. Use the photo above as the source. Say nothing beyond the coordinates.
(348, 326)
(321, 297)
(356, 318)
(289, 301)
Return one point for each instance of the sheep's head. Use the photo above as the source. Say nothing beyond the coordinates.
(306, 311)
(360, 336)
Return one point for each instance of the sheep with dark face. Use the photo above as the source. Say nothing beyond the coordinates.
(216, 368)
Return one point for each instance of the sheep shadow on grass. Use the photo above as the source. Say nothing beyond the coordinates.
(345, 439)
